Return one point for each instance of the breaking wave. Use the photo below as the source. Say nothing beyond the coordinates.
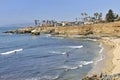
(57, 52)
(86, 62)
(100, 52)
(69, 67)
(81, 64)
(11, 52)
(46, 77)
(76, 47)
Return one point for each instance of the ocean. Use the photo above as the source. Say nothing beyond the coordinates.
(44, 57)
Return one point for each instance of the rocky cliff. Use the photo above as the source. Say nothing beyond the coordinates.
(102, 29)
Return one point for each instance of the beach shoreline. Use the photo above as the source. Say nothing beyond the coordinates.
(116, 58)
(99, 65)
(107, 64)
(110, 64)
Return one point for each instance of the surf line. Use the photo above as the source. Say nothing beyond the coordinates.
(76, 47)
(100, 52)
(13, 51)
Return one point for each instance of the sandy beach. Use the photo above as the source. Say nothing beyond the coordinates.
(109, 67)
(105, 65)
(116, 58)
(111, 57)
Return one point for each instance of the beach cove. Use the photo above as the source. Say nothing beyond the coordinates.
(107, 34)
(46, 57)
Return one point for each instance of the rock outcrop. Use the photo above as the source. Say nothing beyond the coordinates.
(21, 30)
(96, 30)
(103, 77)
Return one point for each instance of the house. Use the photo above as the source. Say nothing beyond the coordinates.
(66, 23)
(88, 22)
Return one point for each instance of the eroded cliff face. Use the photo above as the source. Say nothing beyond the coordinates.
(76, 30)
(97, 30)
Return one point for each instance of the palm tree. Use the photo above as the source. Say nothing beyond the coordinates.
(96, 15)
(36, 22)
(99, 16)
(84, 15)
(76, 19)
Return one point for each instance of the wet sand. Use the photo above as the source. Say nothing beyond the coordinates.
(116, 56)
(111, 58)
(105, 65)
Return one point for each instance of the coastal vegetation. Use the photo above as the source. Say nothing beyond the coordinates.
(111, 16)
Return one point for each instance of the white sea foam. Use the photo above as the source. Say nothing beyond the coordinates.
(86, 62)
(48, 35)
(56, 77)
(81, 64)
(11, 52)
(76, 47)
(57, 52)
(99, 59)
(57, 37)
(64, 53)
(47, 77)
(101, 50)
(69, 67)
(54, 52)
(100, 45)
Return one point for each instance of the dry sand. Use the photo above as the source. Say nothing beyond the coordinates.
(116, 59)
(107, 63)
(111, 53)
(111, 63)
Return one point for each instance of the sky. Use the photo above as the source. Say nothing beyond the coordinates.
(25, 11)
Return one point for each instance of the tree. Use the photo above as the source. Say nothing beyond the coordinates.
(96, 15)
(85, 16)
(110, 16)
(76, 19)
(36, 22)
(99, 16)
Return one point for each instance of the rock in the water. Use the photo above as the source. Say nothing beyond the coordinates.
(21, 31)
(35, 32)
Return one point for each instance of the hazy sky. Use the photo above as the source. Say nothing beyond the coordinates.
(22, 11)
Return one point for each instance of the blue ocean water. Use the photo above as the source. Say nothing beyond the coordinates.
(26, 57)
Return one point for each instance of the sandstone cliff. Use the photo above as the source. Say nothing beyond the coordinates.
(96, 30)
